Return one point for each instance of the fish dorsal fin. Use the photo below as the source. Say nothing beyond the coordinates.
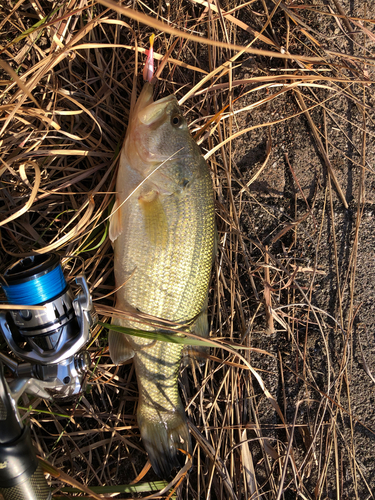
(199, 327)
(115, 228)
(155, 220)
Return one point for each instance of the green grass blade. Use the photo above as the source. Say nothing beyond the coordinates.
(38, 25)
(46, 412)
(122, 488)
(156, 335)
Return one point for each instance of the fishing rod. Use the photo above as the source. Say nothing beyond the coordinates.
(48, 336)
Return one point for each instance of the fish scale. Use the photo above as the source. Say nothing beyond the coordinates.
(177, 286)
(164, 241)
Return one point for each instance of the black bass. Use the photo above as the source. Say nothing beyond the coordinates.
(163, 230)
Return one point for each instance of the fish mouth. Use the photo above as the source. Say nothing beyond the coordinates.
(155, 111)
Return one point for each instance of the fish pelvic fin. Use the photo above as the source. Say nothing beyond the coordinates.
(164, 434)
(115, 222)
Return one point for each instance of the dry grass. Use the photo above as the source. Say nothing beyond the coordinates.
(277, 422)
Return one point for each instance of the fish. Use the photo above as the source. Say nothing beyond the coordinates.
(163, 231)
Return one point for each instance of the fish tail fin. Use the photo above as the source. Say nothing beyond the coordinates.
(164, 434)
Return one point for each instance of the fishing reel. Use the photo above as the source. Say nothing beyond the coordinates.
(49, 334)
(47, 328)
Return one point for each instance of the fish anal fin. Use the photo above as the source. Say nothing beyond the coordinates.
(115, 228)
(155, 219)
(120, 349)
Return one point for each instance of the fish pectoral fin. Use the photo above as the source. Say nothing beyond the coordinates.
(115, 228)
(155, 219)
(120, 349)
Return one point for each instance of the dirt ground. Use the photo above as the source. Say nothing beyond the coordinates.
(293, 183)
(295, 272)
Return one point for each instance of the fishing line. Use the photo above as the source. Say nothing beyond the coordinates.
(34, 280)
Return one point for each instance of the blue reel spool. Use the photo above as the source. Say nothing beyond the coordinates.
(39, 280)
(34, 280)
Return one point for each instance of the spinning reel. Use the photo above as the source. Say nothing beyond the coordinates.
(49, 336)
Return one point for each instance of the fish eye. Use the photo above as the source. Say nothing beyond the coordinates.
(176, 120)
